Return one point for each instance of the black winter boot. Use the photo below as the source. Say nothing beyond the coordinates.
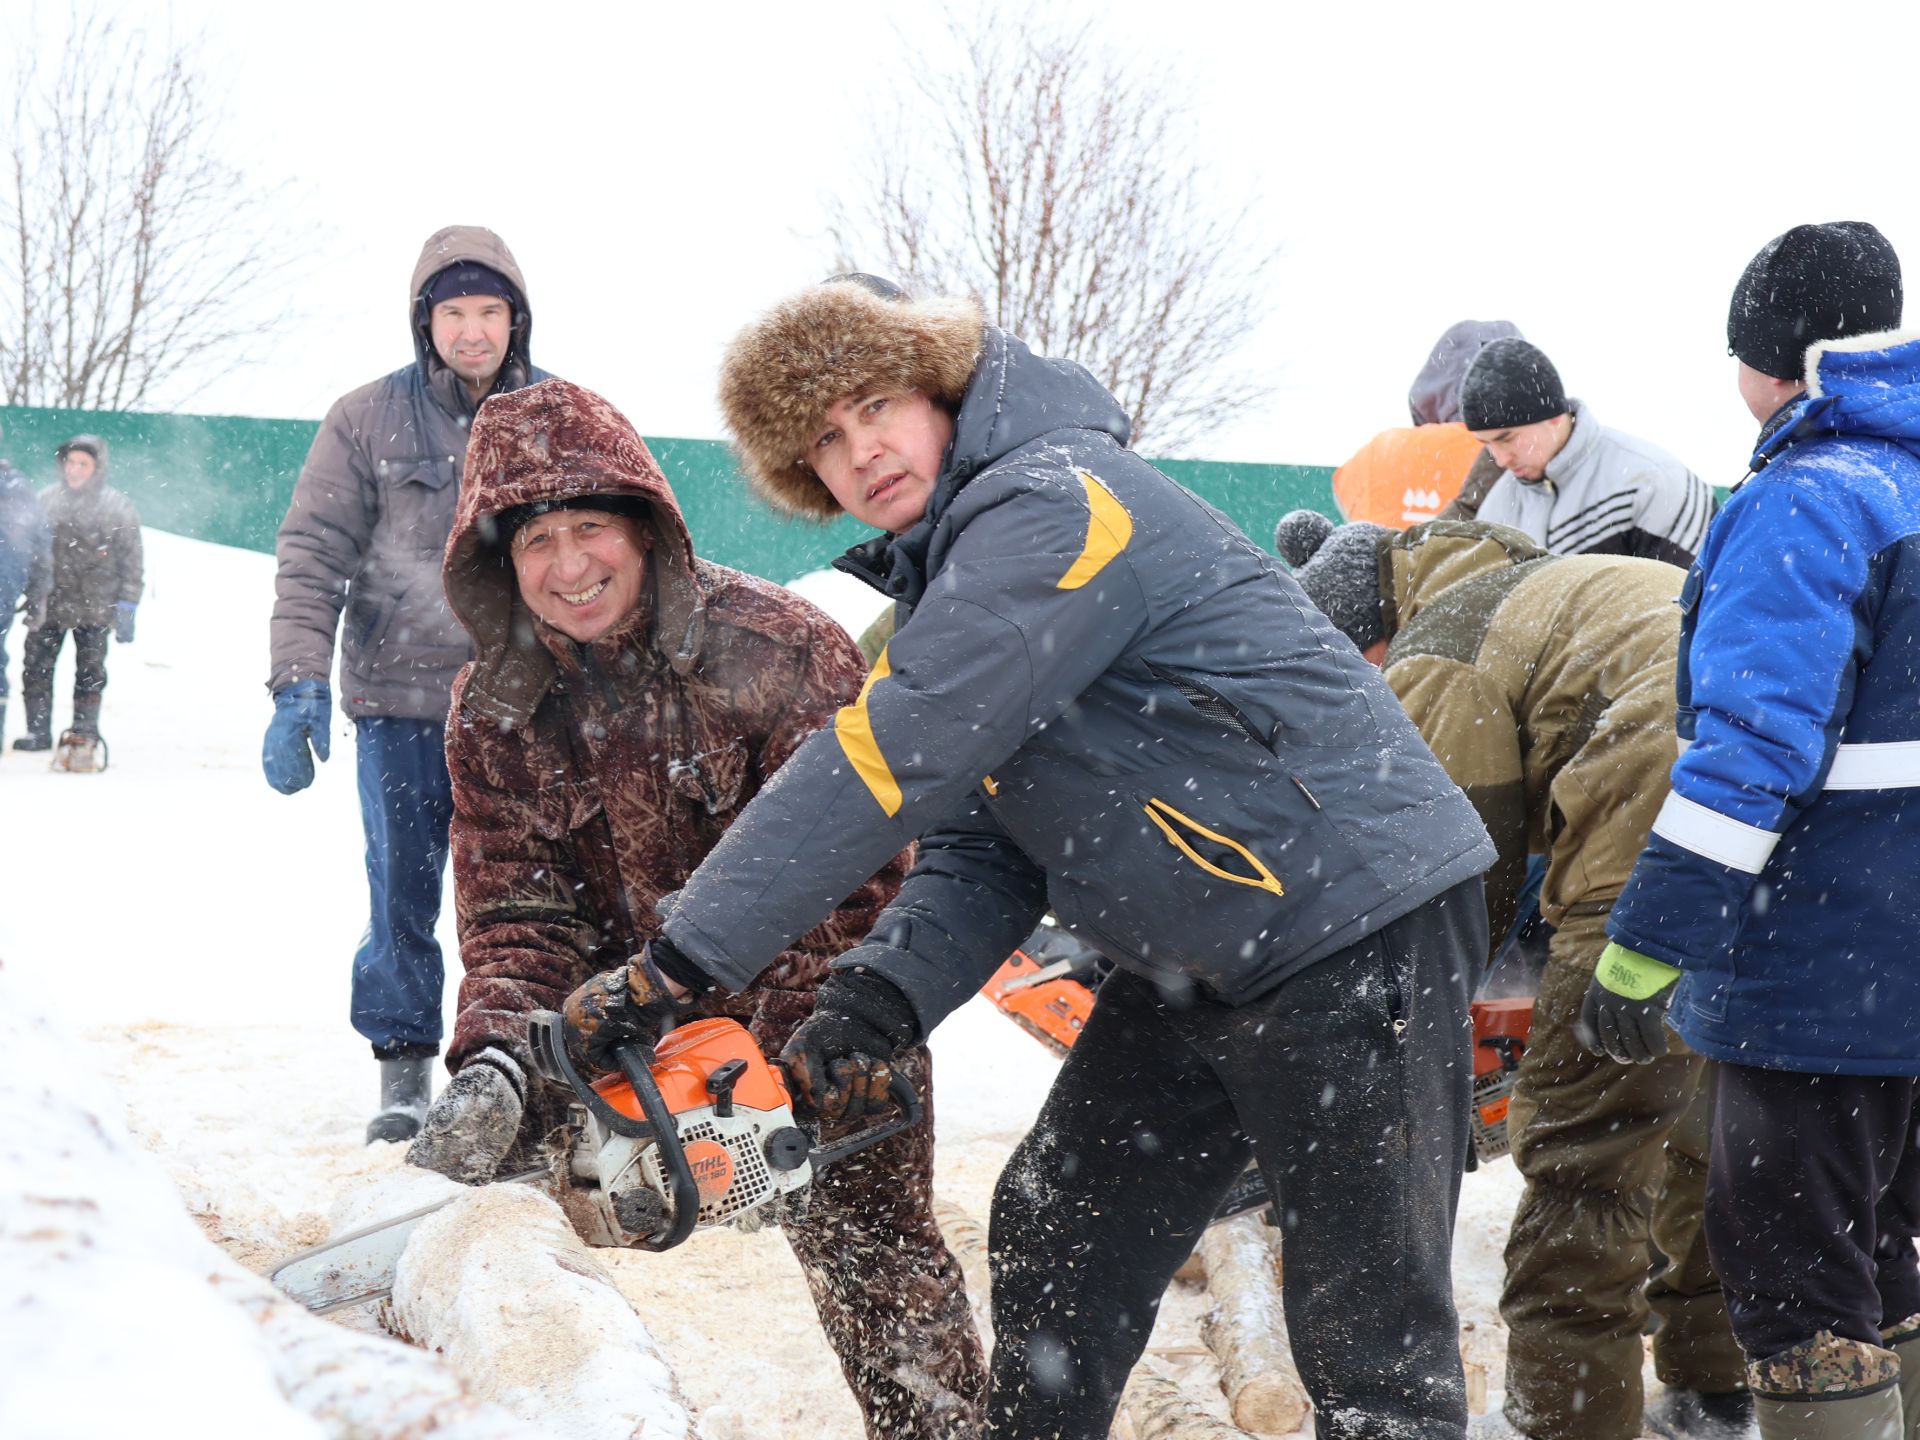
(86, 714)
(1680, 1414)
(39, 734)
(406, 1085)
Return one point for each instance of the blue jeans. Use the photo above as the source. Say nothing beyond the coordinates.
(406, 805)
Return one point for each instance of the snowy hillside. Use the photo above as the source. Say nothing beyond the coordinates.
(195, 928)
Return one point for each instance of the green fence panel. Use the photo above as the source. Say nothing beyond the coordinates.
(228, 479)
(215, 477)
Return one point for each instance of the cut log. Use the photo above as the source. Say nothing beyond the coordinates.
(499, 1284)
(119, 1316)
(966, 1237)
(1153, 1408)
(1247, 1331)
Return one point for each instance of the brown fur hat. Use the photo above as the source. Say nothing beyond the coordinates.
(819, 347)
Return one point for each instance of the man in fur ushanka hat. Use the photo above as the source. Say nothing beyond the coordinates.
(1102, 698)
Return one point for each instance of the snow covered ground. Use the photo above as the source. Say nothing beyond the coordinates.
(195, 928)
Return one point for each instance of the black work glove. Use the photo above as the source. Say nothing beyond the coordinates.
(628, 1006)
(839, 1058)
(471, 1124)
(1624, 1014)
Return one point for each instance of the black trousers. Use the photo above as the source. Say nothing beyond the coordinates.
(42, 651)
(1350, 1085)
(1813, 1203)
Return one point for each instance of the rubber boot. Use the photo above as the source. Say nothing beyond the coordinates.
(1680, 1414)
(39, 734)
(1828, 1388)
(1904, 1340)
(406, 1086)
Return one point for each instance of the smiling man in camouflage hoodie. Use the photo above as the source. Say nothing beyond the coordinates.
(626, 702)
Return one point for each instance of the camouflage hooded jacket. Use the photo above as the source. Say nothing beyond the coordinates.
(591, 780)
(1544, 684)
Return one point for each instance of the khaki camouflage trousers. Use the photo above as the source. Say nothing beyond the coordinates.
(1615, 1159)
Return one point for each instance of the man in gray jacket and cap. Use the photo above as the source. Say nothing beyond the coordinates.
(1568, 482)
(370, 517)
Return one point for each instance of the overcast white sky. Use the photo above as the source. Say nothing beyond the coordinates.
(1598, 173)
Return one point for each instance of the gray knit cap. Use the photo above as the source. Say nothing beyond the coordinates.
(1339, 568)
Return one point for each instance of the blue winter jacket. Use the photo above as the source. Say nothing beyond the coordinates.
(26, 543)
(1783, 874)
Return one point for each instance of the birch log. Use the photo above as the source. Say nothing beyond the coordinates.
(119, 1317)
(1247, 1331)
(966, 1237)
(1153, 1408)
(499, 1284)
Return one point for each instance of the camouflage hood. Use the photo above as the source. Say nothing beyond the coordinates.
(1417, 564)
(549, 442)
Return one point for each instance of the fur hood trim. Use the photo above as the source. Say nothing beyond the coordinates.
(819, 347)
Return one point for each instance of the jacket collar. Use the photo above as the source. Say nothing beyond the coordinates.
(1578, 450)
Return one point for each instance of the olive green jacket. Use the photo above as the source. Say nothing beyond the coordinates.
(1545, 686)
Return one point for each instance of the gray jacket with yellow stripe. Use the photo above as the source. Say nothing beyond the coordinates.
(1102, 698)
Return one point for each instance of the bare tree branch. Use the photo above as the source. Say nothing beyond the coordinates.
(132, 257)
(1050, 185)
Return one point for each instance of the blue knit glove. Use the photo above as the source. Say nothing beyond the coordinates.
(302, 715)
(123, 621)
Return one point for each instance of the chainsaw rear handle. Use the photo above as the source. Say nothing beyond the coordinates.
(913, 1112)
(634, 1064)
(550, 1058)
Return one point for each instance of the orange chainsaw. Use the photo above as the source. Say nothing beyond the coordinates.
(1500, 1032)
(695, 1133)
(1053, 1002)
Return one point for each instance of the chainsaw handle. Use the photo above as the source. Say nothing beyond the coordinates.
(666, 1137)
(905, 1096)
(549, 1045)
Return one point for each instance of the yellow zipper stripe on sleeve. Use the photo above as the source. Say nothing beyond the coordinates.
(1109, 527)
(1261, 879)
(853, 727)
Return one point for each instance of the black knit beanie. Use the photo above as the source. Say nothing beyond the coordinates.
(1510, 383)
(1339, 568)
(468, 277)
(1814, 283)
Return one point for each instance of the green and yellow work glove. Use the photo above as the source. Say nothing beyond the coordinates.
(1624, 1014)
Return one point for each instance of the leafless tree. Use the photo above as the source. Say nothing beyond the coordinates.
(133, 259)
(1056, 189)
